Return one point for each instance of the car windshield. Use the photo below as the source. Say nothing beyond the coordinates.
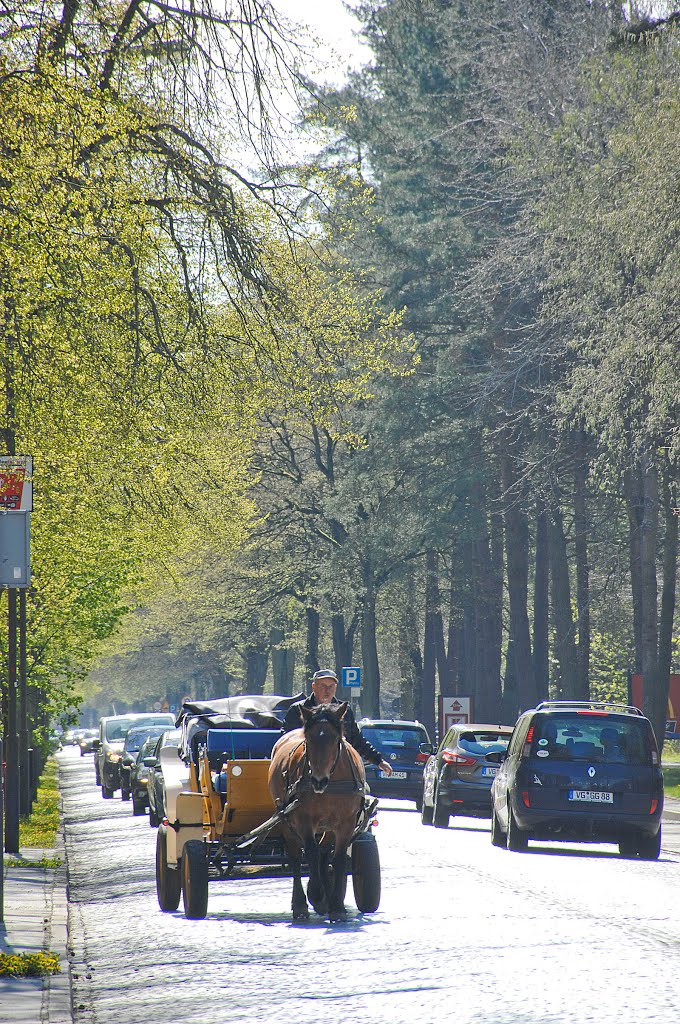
(583, 737)
(137, 737)
(401, 737)
(483, 741)
(116, 730)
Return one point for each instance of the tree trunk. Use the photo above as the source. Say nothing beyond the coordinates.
(455, 639)
(434, 634)
(632, 489)
(541, 604)
(283, 662)
(670, 571)
(370, 683)
(343, 641)
(257, 661)
(517, 559)
(312, 652)
(409, 657)
(654, 706)
(582, 569)
(565, 647)
(488, 580)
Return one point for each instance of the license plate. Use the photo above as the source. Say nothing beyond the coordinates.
(490, 772)
(591, 796)
(394, 775)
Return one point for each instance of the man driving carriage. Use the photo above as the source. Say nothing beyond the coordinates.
(324, 685)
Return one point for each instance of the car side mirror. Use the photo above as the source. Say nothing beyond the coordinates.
(96, 744)
(150, 762)
(426, 748)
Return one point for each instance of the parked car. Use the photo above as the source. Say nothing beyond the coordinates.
(139, 774)
(86, 741)
(134, 741)
(109, 746)
(457, 777)
(156, 783)
(582, 771)
(399, 743)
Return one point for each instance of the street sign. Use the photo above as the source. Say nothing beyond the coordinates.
(453, 710)
(15, 547)
(16, 483)
(351, 676)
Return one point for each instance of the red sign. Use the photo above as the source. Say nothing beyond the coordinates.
(673, 713)
(16, 483)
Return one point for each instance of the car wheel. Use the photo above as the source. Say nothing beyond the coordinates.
(440, 815)
(628, 846)
(649, 847)
(125, 794)
(97, 779)
(137, 806)
(168, 880)
(152, 818)
(366, 873)
(517, 841)
(195, 880)
(419, 803)
(106, 792)
(426, 813)
(497, 837)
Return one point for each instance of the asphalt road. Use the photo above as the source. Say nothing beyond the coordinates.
(465, 933)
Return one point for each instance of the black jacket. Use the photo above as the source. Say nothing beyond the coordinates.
(293, 720)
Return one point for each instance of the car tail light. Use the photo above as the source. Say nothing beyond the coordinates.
(527, 743)
(653, 806)
(525, 799)
(604, 714)
(448, 757)
(421, 758)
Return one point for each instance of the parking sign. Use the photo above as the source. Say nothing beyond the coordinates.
(351, 677)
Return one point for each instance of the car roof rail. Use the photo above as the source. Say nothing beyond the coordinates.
(592, 705)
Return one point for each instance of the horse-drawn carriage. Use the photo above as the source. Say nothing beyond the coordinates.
(237, 793)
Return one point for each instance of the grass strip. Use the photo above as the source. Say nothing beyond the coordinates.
(40, 828)
(671, 780)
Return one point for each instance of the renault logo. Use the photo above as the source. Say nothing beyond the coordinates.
(591, 771)
(393, 757)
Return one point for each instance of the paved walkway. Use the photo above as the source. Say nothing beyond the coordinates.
(36, 916)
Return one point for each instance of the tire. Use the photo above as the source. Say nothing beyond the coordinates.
(97, 780)
(106, 792)
(517, 841)
(426, 813)
(366, 873)
(125, 794)
(137, 807)
(649, 847)
(168, 881)
(153, 821)
(497, 837)
(628, 847)
(195, 880)
(440, 815)
(419, 804)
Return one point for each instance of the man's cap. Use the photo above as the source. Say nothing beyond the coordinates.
(324, 673)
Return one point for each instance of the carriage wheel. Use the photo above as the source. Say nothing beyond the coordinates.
(195, 879)
(168, 881)
(366, 873)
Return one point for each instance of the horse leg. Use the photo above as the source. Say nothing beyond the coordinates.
(316, 889)
(299, 904)
(336, 903)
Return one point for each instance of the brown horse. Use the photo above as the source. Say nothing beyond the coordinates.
(321, 778)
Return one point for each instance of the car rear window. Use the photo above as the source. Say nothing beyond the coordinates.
(397, 737)
(583, 737)
(116, 730)
(483, 742)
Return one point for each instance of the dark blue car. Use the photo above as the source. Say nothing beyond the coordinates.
(580, 771)
(399, 743)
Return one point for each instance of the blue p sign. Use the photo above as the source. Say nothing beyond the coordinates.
(351, 676)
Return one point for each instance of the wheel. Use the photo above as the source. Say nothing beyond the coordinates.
(426, 813)
(194, 879)
(440, 815)
(153, 820)
(497, 837)
(517, 841)
(168, 881)
(106, 792)
(97, 780)
(419, 804)
(649, 847)
(366, 873)
(137, 806)
(125, 794)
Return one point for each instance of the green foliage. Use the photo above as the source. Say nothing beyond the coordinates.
(29, 965)
(41, 827)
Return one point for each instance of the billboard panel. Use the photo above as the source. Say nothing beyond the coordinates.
(16, 483)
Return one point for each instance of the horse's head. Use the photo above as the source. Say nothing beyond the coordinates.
(323, 740)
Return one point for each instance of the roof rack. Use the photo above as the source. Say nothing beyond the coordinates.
(593, 705)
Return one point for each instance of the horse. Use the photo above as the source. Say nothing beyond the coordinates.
(317, 779)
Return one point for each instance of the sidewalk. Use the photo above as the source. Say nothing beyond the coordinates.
(36, 920)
